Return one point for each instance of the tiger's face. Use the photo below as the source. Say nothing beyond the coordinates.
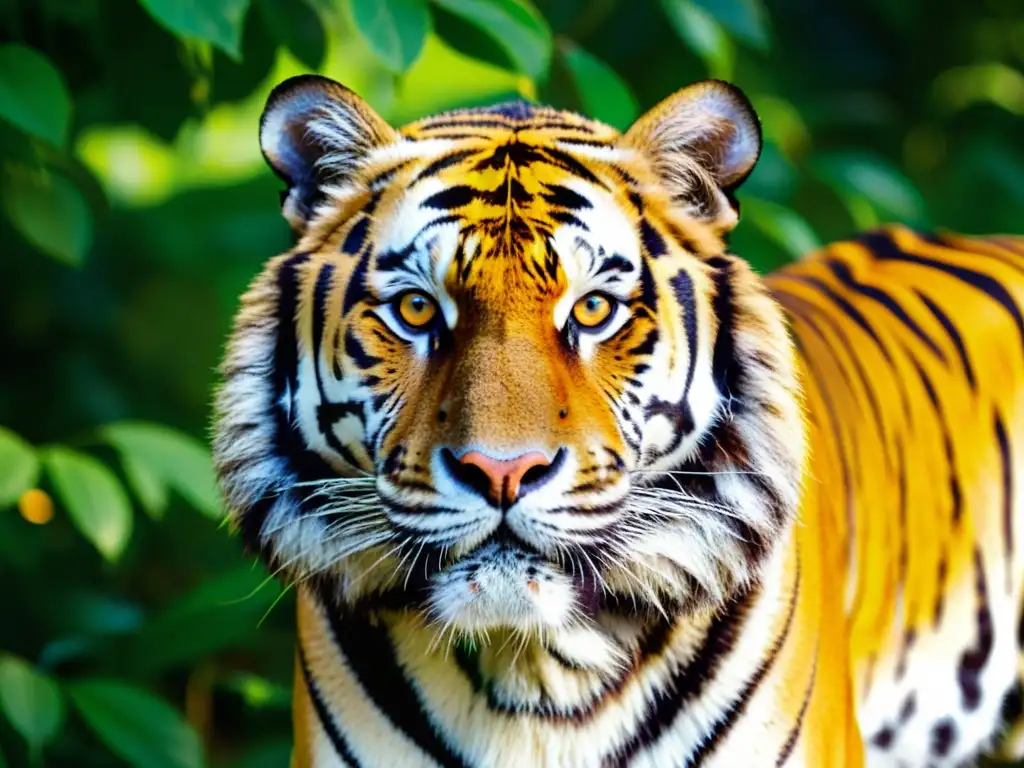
(508, 376)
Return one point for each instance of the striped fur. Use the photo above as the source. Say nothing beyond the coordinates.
(777, 518)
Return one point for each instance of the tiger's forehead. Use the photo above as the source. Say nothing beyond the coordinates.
(514, 194)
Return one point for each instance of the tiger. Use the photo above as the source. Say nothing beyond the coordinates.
(559, 480)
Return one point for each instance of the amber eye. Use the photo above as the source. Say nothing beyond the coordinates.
(416, 309)
(593, 310)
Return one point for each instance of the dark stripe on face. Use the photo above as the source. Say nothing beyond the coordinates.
(283, 380)
(617, 263)
(682, 287)
(794, 732)
(563, 197)
(885, 249)
(368, 650)
(451, 198)
(973, 660)
(725, 367)
(358, 353)
(1006, 462)
(324, 717)
(653, 243)
(845, 276)
(356, 291)
(443, 162)
(356, 237)
(954, 336)
(567, 162)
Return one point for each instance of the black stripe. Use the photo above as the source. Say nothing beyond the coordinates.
(954, 336)
(794, 733)
(886, 250)
(1006, 462)
(731, 716)
(653, 242)
(368, 650)
(845, 276)
(282, 379)
(725, 368)
(443, 162)
(688, 683)
(847, 308)
(356, 237)
(563, 197)
(682, 287)
(323, 715)
(974, 659)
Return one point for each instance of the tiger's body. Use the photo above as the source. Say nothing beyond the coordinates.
(561, 482)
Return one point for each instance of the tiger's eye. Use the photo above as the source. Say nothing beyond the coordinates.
(592, 310)
(416, 309)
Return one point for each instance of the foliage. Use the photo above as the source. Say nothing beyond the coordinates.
(136, 207)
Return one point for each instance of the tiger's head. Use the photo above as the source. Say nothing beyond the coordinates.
(508, 376)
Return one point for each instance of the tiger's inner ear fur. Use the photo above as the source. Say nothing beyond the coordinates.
(313, 133)
(703, 142)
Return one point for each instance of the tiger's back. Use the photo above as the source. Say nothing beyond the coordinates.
(911, 347)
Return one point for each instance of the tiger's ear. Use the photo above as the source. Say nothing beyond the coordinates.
(313, 133)
(703, 142)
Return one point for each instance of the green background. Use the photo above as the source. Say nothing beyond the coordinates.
(136, 207)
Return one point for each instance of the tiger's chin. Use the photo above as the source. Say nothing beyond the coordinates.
(501, 586)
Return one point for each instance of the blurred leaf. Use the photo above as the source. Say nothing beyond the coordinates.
(215, 21)
(228, 608)
(866, 178)
(258, 692)
(602, 92)
(272, 755)
(746, 19)
(785, 228)
(94, 499)
(30, 700)
(20, 467)
(702, 35)
(33, 95)
(148, 486)
(514, 25)
(298, 28)
(994, 82)
(394, 29)
(50, 213)
(156, 457)
(142, 729)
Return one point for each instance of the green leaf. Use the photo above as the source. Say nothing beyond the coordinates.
(94, 498)
(19, 467)
(30, 700)
(298, 27)
(394, 29)
(214, 21)
(33, 95)
(746, 19)
(702, 35)
(142, 729)
(170, 458)
(861, 178)
(49, 212)
(515, 26)
(785, 228)
(148, 485)
(602, 92)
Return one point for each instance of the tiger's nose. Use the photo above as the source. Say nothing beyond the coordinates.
(501, 481)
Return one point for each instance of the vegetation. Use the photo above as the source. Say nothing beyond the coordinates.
(136, 207)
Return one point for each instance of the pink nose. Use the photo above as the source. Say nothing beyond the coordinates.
(504, 475)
